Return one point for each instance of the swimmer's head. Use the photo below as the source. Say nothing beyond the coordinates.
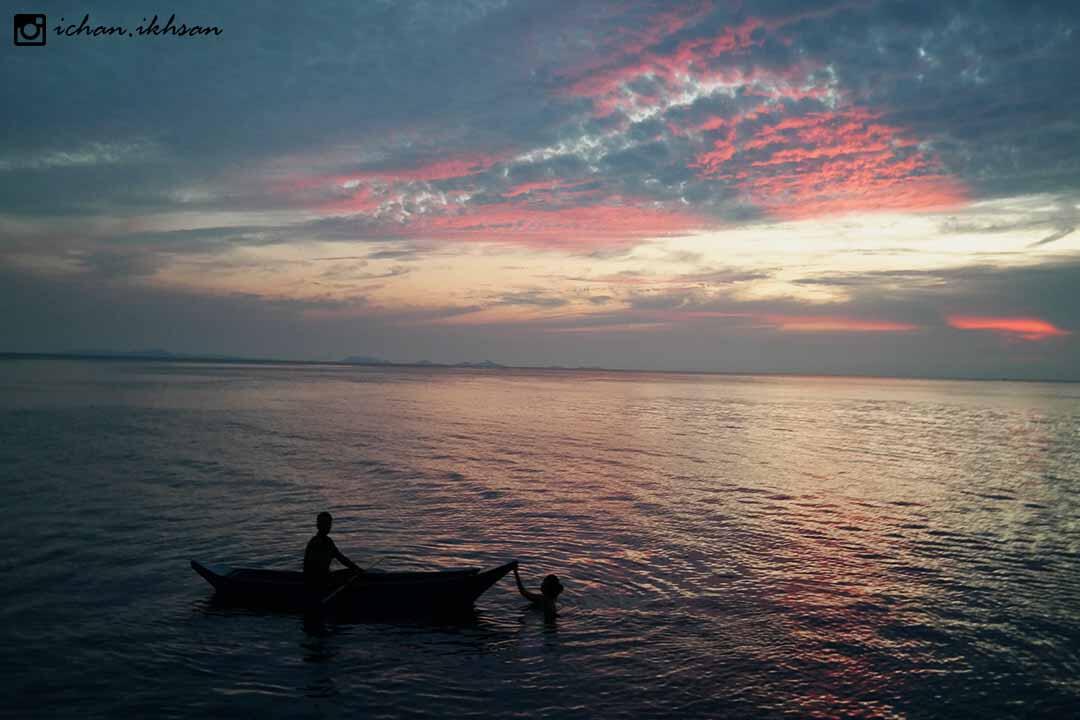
(551, 587)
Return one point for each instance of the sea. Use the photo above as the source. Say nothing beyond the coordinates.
(731, 546)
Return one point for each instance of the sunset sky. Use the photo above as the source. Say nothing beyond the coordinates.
(886, 188)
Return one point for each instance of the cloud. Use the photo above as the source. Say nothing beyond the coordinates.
(1045, 293)
(710, 276)
(834, 324)
(347, 274)
(404, 254)
(1054, 236)
(95, 153)
(538, 298)
(579, 228)
(1025, 328)
(828, 162)
(1060, 213)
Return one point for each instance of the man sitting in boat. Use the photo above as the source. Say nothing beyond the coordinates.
(550, 589)
(320, 551)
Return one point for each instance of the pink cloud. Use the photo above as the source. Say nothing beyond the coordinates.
(626, 55)
(613, 223)
(830, 162)
(441, 169)
(637, 57)
(354, 192)
(547, 187)
(530, 187)
(1024, 328)
(634, 62)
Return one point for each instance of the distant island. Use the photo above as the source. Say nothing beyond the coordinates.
(368, 360)
(157, 354)
(365, 360)
(154, 354)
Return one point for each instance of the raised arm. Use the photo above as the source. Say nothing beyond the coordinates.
(530, 596)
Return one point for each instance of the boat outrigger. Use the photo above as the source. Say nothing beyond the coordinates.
(374, 592)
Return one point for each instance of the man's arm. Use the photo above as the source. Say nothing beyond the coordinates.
(344, 560)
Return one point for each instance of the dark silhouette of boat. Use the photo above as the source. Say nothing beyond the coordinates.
(437, 592)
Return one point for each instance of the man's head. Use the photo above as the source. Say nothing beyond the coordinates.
(323, 522)
(551, 587)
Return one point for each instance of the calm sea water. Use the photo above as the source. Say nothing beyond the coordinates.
(731, 546)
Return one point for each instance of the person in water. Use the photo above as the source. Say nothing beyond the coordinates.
(320, 552)
(550, 589)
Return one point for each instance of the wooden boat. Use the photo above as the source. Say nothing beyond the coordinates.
(438, 592)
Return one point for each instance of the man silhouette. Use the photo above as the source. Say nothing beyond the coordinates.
(320, 551)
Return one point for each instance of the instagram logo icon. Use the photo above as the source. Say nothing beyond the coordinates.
(29, 29)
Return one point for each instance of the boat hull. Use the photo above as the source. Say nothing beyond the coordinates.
(375, 593)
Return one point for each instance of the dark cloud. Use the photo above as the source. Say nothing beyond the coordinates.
(536, 298)
(720, 277)
(666, 299)
(404, 255)
(1045, 291)
(1057, 235)
(346, 274)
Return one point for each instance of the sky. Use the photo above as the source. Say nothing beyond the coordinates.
(885, 188)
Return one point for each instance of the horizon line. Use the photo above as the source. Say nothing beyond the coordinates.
(210, 358)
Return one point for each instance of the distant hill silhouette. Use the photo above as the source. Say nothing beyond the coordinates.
(153, 354)
(365, 360)
(370, 360)
(157, 354)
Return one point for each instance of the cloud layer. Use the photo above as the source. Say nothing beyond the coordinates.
(531, 173)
